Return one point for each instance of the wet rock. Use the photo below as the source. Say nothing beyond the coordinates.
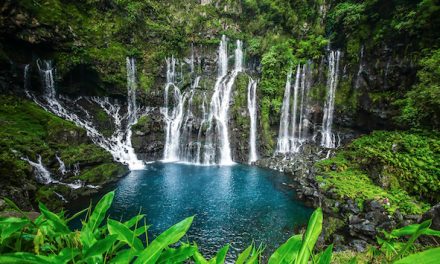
(365, 228)
(358, 245)
(434, 215)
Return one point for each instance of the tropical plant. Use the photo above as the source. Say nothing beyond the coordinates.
(48, 239)
(392, 248)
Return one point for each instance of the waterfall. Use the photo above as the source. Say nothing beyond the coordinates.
(293, 131)
(126, 148)
(173, 114)
(119, 144)
(211, 145)
(62, 168)
(361, 68)
(328, 138)
(219, 108)
(41, 173)
(252, 107)
(283, 135)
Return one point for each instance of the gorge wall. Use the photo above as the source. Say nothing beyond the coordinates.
(176, 106)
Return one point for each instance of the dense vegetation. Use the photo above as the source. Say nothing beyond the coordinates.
(28, 131)
(398, 90)
(400, 166)
(48, 239)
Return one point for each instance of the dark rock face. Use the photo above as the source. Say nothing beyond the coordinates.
(148, 137)
(434, 215)
(379, 75)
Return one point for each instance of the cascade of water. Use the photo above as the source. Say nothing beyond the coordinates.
(180, 142)
(293, 131)
(252, 107)
(173, 115)
(76, 169)
(283, 135)
(361, 68)
(119, 144)
(294, 143)
(328, 138)
(41, 173)
(125, 138)
(219, 108)
(199, 134)
(26, 81)
(62, 168)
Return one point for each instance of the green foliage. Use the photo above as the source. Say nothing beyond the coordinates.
(48, 239)
(28, 131)
(410, 157)
(421, 105)
(392, 165)
(392, 247)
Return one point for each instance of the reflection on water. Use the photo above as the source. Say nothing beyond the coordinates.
(232, 204)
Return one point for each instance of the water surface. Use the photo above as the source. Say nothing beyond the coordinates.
(232, 204)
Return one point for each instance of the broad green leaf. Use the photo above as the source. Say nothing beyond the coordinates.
(170, 236)
(101, 246)
(141, 230)
(86, 237)
(65, 256)
(244, 255)
(220, 256)
(199, 259)
(326, 256)
(101, 209)
(177, 255)
(15, 207)
(124, 234)
(420, 230)
(411, 229)
(313, 231)
(287, 252)
(133, 221)
(124, 256)
(54, 220)
(23, 257)
(10, 227)
(430, 256)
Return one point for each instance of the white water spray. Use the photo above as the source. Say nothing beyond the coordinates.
(283, 135)
(293, 130)
(252, 107)
(41, 173)
(328, 138)
(62, 168)
(212, 145)
(119, 144)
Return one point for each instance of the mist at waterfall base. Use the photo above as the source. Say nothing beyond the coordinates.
(232, 204)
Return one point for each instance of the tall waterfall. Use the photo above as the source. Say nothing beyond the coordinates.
(252, 107)
(212, 145)
(328, 138)
(294, 119)
(125, 147)
(119, 144)
(219, 108)
(283, 135)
